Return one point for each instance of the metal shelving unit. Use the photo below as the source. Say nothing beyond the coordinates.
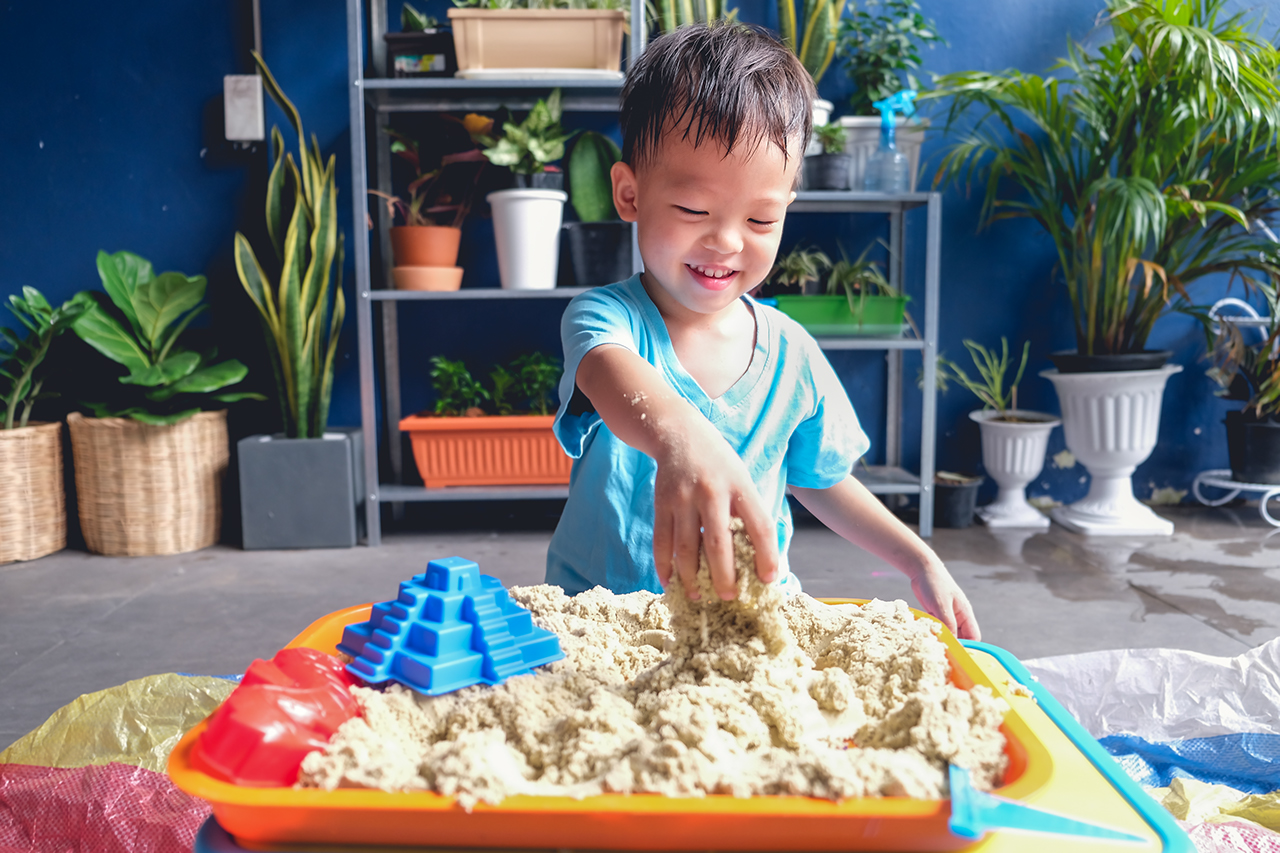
(380, 96)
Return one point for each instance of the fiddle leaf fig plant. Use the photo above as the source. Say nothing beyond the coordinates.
(20, 357)
(138, 323)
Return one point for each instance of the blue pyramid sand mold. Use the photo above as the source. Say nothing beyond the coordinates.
(449, 628)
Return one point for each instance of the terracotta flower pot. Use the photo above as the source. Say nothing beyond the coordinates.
(425, 245)
(496, 450)
(427, 278)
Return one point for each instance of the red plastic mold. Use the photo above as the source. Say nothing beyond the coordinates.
(283, 709)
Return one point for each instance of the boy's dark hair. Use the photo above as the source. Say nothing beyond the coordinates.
(727, 82)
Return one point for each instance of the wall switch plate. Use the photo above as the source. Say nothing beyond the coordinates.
(242, 107)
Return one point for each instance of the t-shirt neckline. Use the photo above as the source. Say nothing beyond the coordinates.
(712, 407)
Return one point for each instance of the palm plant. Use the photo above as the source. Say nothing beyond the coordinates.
(1151, 164)
(300, 323)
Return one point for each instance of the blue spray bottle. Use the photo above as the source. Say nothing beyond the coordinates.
(888, 170)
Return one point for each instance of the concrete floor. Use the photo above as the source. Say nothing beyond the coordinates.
(74, 623)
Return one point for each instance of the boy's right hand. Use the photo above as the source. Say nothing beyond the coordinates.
(701, 484)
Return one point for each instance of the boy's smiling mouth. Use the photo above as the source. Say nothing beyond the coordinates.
(712, 278)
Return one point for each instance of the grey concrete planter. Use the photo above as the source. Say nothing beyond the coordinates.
(301, 492)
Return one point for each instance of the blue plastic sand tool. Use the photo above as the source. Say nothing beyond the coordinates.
(974, 813)
(449, 628)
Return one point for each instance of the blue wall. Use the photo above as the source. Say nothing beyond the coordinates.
(110, 141)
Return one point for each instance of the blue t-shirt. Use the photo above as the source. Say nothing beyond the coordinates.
(788, 417)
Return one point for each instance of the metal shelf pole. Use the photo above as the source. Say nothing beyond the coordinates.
(360, 242)
(929, 391)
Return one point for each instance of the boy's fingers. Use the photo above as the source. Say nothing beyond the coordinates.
(966, 622)
(686, 549)
(663, 547)
(718, 543)
(764, 537)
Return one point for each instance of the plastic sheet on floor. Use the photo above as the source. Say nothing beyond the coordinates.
(1191, 728)
(91, 778)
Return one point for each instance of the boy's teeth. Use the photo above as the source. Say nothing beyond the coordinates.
(713, 273)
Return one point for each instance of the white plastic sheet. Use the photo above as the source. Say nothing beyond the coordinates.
(1167, 694)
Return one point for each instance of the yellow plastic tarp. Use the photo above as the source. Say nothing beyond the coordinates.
(138, 723)
(1200, 802)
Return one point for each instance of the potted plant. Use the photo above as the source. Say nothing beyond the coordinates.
(1246, 363)
(494, 36)
(880, 44)
(425, 248)
(460, 444)
(526, 220)
(1014, 440)
(33, 512)
(299, 488)
(422, 48)
(828, 170)
(149, 464)
(1134, 224)
(599, 243)
(859, 300)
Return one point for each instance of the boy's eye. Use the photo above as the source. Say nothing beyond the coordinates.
(693, 212)
(763, 221)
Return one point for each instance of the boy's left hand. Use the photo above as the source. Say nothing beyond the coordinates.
(942, 597)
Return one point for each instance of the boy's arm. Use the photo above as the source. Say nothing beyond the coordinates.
(701, 482)
(858, 516)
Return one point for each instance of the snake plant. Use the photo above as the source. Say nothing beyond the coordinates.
(302, 310)
(812, 32)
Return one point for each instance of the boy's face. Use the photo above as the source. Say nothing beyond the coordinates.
(708, 225)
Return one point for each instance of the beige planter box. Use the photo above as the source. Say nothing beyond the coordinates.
(538, 38)
(145, 490)
(33, 509)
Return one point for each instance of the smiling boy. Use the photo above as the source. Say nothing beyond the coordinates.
(684, 401)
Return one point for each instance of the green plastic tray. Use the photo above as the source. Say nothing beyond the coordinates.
(829, 316)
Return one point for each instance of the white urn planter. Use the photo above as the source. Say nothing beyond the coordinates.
(1110, 422)
(1013, 454)
(526, 228)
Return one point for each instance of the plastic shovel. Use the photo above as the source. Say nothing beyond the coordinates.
(974, 813)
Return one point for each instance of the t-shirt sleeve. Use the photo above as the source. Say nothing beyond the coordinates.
(826, 444)
(591, 319)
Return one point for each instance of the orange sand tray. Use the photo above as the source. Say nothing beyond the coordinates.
(267, 816)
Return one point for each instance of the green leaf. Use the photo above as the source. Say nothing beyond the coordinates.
(104, 333)
(121, 275)
(166, 372)
(159, 303)
(208, 379)
(237, 396)
(275, 187)
(590, 185)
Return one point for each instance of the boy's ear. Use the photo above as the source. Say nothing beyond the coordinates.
(624, 190)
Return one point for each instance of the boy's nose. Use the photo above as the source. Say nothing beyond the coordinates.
(724, 239)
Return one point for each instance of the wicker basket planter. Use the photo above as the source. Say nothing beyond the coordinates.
(33, 505)
(146, 490)
(500, 450)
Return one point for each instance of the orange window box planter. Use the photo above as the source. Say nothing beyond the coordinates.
(494, 450)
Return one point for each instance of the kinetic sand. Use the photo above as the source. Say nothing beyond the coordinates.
(760, 695)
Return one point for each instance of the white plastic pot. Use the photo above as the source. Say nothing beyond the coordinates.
(1110, 421)
(1013, 454)
(862, 139)
(821, 115)
(526, 227)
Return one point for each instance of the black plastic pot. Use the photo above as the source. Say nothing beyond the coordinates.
(1253, 447)
(953, 502)
(827, 171)
(1070, 361)
(599, 252)
(425, 54)
(541, 181)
